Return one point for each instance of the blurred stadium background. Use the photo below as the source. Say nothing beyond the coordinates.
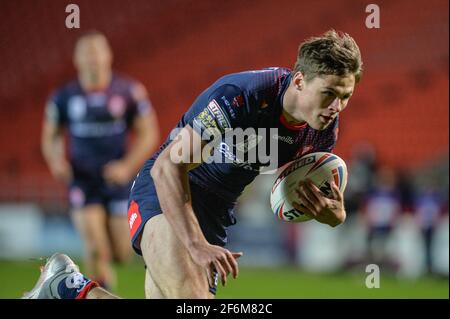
(394, 136)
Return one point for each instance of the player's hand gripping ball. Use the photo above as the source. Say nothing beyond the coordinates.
(320, 168)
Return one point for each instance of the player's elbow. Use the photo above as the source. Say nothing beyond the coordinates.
(147, 143)
(164, 167)
(47, 148)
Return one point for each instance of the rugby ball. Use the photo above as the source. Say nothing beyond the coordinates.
(321, 168)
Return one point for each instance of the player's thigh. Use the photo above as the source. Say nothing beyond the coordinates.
(91, 222)
(170, 264)
(119, 233)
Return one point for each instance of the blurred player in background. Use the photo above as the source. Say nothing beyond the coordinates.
(179, 211)
(98, 109)
(429, 206)
(381, 212)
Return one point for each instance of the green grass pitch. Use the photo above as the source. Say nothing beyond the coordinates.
(289, 282)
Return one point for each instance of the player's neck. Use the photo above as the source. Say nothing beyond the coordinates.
(95, 81)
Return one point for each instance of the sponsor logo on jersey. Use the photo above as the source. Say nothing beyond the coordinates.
(285, 139)
(225, 150)
(230, 109)
(238, 162)
(134, 218)
(98, 129)
(205, 120)
(224, 99)
(76, 108)
(219, 115)
(238, 101)
(248, 144)
(117, 106)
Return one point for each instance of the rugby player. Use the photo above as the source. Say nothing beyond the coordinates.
(99, 109)
(180, 208)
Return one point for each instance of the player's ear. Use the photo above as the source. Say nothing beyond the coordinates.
(298, 80)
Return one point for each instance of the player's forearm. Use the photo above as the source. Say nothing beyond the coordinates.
(172, 186)
(52, 149)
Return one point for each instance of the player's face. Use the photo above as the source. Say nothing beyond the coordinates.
(322, 98)
(93, 55)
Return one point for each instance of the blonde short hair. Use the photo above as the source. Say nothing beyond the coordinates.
(333, 53)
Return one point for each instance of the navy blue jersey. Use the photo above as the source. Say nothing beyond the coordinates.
(97, 121)
(251, 99)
